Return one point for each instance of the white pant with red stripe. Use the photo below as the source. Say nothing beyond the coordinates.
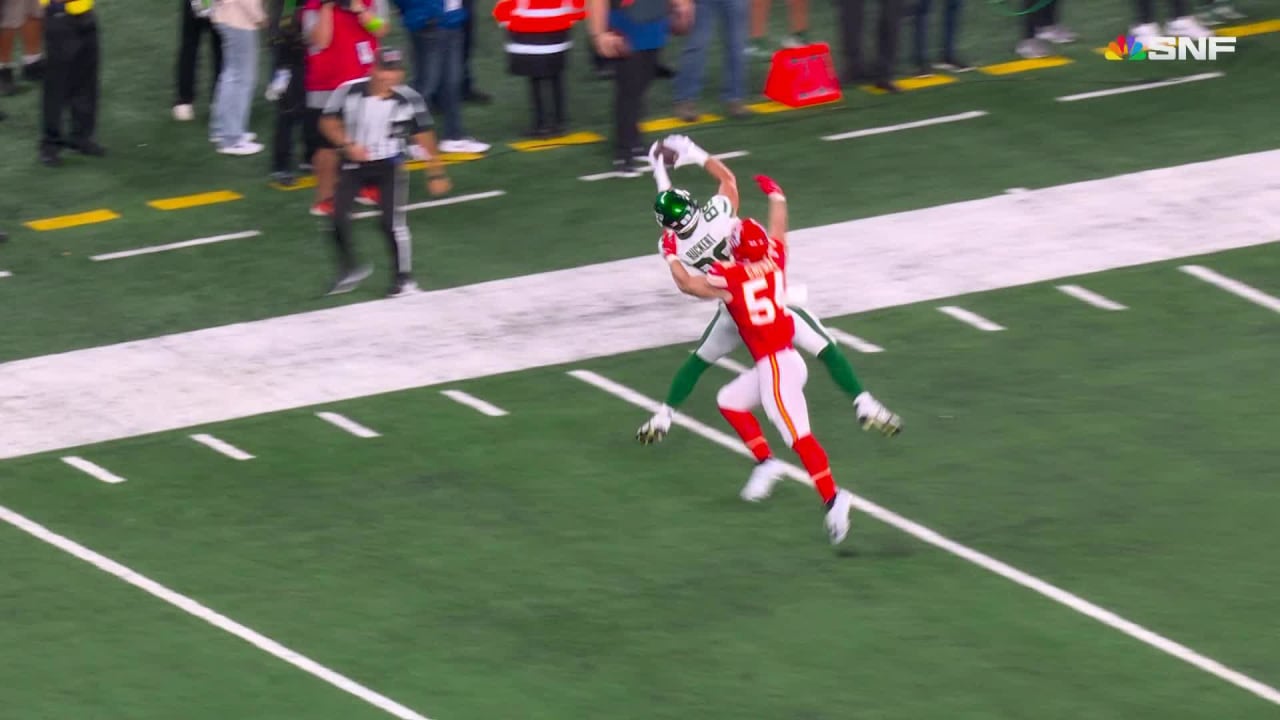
(777, 382)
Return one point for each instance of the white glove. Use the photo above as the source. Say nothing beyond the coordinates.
(659, 168)
(687, 151)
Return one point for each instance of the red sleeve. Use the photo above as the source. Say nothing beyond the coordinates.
(780, 254)
(720, 274)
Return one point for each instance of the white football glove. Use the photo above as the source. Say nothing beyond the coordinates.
(687, 151)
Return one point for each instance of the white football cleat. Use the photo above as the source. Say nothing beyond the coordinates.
(874, 416)
(837, 520)
(763, 478)
(656, 428)
(1187, 26)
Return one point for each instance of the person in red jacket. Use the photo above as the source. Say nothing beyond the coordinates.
(537, 43)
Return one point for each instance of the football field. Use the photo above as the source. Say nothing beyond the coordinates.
(222, 496)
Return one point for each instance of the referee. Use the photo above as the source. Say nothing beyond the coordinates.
(370, 121)
(71, 79)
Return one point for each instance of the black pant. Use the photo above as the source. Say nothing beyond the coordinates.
(1147, 10)
(851, 31)
(71, 77)
(188, 49)
(1043, 17)
(548, 102)
(291, 110)
(468, 37)
(633, 75)
(392, 181)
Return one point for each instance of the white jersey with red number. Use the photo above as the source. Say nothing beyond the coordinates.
(758, 305)
(707, 241)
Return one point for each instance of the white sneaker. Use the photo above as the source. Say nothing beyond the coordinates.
(656, 428)
(463, 145)
(1187, 26)
(874, 416)
(247, 137)
(1032, 48)
(184, 113)
(837, 520)
(1145, 33)
(244, 147)
(279, 83)
(760, 485)
(1056, 34)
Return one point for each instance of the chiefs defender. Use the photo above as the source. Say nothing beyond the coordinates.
(753, 288)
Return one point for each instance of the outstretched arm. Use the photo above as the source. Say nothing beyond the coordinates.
(777, 207)
(696, 286)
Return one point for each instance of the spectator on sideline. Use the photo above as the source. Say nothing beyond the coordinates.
(1183, 23)
(436, 32)
(237, 22)
(469, 92)
(26, 16)
(732, 15)
(289, 58)
(537, 45)
(632, 32)
(1040, 28)
(195, 23)
(70, 80)
(797, 18)
(851, 17)
(950, 23)
(342, 42)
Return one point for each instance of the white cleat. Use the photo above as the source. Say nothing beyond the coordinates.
(760, 485)
(874, 416)
(656, 428)
(1187, 26)
(837, 520)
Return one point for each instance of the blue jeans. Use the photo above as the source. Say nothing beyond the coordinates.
(950, 21)
(437, 75)
(233, 95)
(693, 59)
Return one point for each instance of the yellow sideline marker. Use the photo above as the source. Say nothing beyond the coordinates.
(309, 181)
(1258, 28)
(577, 138)
(183, 202)
(669, 123)
(773, 106)
(62, 222)
(1019, 66)
(913, 83)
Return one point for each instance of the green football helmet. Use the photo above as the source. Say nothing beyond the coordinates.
(675, 210)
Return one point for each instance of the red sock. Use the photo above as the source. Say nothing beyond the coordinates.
(744, 423)
(815, 461)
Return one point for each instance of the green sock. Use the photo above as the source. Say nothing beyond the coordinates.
(841, 371)
(686, 377)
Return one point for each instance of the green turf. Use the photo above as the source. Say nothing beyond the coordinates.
(544, 565)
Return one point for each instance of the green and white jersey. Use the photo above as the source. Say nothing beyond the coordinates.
(708, 240)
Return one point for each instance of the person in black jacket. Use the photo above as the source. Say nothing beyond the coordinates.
(71, 80)
(289, 57)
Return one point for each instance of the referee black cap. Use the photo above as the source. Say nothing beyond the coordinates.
(390, 59)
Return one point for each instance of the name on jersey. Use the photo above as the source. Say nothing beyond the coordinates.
(703, 245)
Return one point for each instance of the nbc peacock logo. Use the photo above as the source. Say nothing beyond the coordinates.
(1125, 48)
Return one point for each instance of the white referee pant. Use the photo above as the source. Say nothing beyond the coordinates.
(776, 382)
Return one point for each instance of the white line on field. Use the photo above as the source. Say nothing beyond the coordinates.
(436, 203)
(1139, 88)
(943, 119)
(1235, 287)
(175, 246)
(853, 341)
(222, 446)
(5, 274)
(986, 562)
(970, 318)
(1091, 297)
(347, 424)
(474, 402)
(93, 469)
(614, 174)
(732, 365)
(218, 620)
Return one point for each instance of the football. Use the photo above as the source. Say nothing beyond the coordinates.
(667, 155)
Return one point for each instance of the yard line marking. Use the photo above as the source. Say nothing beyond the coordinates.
(214, 618)
(970, 318)
(982, 560)
(183, 202)
(62, 222)
(940, 120)
(664, 124)
(853, 341)
(221, 446)
(474, 402)
(1140, 87)
(1021, 66)
(1235, 287)
(1091, 297)
(436, 203)
(732, 365)
(175, 246)
(5, 274)
(614, 174)
(347, 424)
(93, 469)
(912, 83)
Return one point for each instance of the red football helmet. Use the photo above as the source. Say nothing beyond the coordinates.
(751, 241)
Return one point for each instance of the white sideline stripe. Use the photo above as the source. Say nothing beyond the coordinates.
(5, 274)
(732, 365)
(970, 318)
(1141, 87)
(218, 620)
(436, 203)
(940, 120)
(986, 562)
(474, 402)
(175, 246)
(1235, 287)
(853, 341)
(222, 446)
(614, 174)
(1091, 297)
(93, 469)
(347, 424)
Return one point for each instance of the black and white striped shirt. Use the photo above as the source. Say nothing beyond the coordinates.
(382, 126)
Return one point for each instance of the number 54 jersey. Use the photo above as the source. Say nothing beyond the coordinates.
(758, 305)
(707, 242)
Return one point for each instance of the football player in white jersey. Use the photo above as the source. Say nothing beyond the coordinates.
(699, 235)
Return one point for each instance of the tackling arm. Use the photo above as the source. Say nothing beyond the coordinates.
(777, 207)
(697, 286)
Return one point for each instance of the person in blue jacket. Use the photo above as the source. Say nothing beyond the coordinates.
(436, 32)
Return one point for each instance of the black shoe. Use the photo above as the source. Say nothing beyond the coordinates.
(33, 71)
(541, 132)
(88, 147)
(4, 236)
(350, 280)
(640, 152)
(629, 167)
(888, 86)
(478, 97)
(403, 286)
(284, 178)
(665, 72)
(8, 87)
(50, 158)
(953, 64)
